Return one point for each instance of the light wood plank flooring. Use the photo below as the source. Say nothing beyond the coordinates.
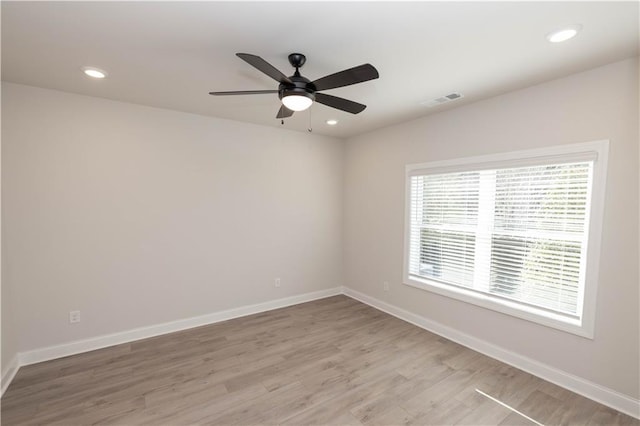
(331, 361)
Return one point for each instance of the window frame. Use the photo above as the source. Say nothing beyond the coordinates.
(597, 151)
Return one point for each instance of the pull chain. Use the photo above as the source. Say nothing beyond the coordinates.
(309, 129)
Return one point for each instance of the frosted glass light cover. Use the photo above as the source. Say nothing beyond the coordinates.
(297, 102)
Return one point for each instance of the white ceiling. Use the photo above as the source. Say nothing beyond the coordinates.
(171, 54)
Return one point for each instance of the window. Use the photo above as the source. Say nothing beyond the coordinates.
(518, 233)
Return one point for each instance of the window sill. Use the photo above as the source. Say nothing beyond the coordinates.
(505, 306)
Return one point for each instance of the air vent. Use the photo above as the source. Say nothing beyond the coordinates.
(442, 99)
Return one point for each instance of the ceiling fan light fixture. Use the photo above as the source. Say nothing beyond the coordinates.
(297, 102)
(298, 93)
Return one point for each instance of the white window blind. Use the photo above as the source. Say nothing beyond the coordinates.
(513, 234)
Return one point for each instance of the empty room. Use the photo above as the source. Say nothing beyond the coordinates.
(320, 213)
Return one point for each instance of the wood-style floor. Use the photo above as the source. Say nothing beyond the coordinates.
(331, 361)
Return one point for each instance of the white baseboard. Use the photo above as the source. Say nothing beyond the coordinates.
(8, 374)
(601, 394)
(99, 342)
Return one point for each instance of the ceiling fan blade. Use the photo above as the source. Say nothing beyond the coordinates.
(243, 92)
(340, 103)
(348, 77)
(265, 67)
(284, 112)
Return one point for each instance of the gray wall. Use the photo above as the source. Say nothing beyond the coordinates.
(137, 216)
(593, 105)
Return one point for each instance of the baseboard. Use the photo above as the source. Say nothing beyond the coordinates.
(85, 345)
(601, 394)
(8, 374)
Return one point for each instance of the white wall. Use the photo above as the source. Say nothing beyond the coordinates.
(7, 348)
(137, 216)
(594, 105)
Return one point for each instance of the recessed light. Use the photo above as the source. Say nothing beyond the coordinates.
(332, 122)
(563, 34)
(94, 72)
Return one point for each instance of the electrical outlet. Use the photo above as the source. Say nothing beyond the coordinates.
(276, 282)
(385, 285)
(74, 316)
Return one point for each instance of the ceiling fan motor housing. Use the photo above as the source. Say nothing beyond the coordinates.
(301, 86)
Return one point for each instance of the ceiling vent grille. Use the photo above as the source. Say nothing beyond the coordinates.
(442, 99)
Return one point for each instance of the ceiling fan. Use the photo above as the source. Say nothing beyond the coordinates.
(297, 93)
